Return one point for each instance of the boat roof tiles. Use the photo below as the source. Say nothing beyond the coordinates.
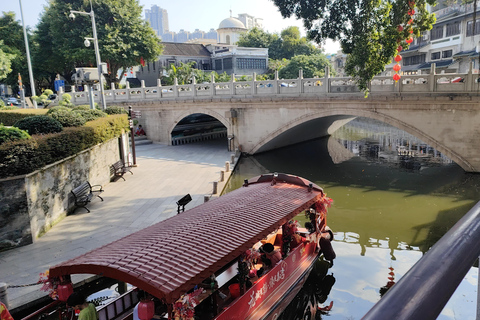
(185, 49)
(171, 257)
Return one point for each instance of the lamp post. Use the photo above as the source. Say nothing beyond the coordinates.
(32, 83)
(95, 44)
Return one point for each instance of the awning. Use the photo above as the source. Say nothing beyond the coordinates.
(469, 53)
(171, 257)
(438, 64)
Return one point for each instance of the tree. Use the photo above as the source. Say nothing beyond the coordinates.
(11, 32)
(5, 62)
(285, 46)
(124, 37)
(312, 65)
(369, 31)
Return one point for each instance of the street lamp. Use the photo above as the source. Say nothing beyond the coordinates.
(95, 44)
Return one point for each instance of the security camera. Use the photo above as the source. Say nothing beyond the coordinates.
(71, 16)
(86, 43)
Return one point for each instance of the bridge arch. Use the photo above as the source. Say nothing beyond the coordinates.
(211, 113)
(347, 114)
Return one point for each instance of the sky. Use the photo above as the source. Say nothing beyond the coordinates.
(188, 14)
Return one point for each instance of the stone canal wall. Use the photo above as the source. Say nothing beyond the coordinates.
(31, 204)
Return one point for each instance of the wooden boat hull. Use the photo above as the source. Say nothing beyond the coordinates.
(272, 293)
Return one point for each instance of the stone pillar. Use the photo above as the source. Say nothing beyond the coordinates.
(232, 158)
(112, 88)
(143, 88)
(222, 176)
(215, 187)
(232, 84)
(127, 86)
(175, 88)
(194, 82)
(159, 90)
(470, 81)
(212, 81)
(277, 89)
(300, 80)
(326, 80)
(227, 166)
(431, 78)
(254, 85)
(206, 198)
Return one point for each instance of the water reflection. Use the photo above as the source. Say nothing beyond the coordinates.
(384, 214)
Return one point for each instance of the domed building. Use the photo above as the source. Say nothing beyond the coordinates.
(229, 30)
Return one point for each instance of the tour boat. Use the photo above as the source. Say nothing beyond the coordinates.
(205, 263)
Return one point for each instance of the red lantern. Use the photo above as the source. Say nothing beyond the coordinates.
(411, 12)
(411, 4)
(409, 40)
(399, 48)
(398, 58)
(410, 21)
(64, 291)
(397, 67)
(400, 28)
(410, 31)
(146, 310)
(396, 77)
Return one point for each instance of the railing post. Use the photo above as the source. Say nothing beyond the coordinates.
(431, 78)
(175, 88)
(194, 82)
(277, 89)
(232, 84)
(127, 88)
(143, 89)
(112, 88)
(254, 85)
(159, 90)
(300, 80)
(212, 87)
(3, 294)
(470, 83)
(326, 80)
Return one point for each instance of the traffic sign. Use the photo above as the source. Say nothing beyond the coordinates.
(136, 114)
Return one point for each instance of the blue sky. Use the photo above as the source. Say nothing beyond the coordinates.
(187, 14)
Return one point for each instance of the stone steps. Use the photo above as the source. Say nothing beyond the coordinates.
(142, 140)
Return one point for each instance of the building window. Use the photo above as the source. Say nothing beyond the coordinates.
(339, 63)
(246, 63)
(227, 63)
(435, 55)
(436, 33)
(470, 27)
(408, 61)
(447, 53)
(218, 64)
(453, 29)
(227, 40)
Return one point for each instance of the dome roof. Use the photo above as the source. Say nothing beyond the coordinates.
(231, 23)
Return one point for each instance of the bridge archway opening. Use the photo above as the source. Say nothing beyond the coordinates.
(198, 127)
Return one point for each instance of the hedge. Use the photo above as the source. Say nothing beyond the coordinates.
(25, 156)
(9, 117)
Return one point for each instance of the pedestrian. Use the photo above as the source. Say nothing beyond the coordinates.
(140, 131)
(4, 314)
(87, 310)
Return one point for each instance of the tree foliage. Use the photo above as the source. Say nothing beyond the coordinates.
(5, 62)
(312, 66)
(11, 32)
(368, 30)
(284, 46)
(124, 37)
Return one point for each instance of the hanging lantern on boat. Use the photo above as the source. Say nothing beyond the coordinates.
(64, 291)
(146, 310)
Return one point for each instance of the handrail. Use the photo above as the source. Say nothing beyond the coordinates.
(423, 292)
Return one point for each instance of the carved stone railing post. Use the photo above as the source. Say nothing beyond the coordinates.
(431, 78)
(277, 88)
(175, 87)
(112, 89)
(159, 88)
(326, 80)
(300, 80)
(143, 89)
(212, 87)
(254, 85)
(127, 89)
(232, 84)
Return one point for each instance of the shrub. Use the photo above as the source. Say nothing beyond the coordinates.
(25, 156)
(9, 108)
(9, 117)
(81, 107)
(68, 118)
(90, 115)
(39, 125)
(115, 110)
(12, 134)
(66, 100)
(57, 108)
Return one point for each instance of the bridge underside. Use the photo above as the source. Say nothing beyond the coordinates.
(312, 129)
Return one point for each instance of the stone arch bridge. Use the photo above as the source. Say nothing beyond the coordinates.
(264, 115)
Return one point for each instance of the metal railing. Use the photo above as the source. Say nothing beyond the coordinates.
(423, 292)
(326, 86)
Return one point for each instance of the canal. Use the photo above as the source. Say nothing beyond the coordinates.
(394, 198)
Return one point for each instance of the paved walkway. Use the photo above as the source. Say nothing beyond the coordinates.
(164, 174)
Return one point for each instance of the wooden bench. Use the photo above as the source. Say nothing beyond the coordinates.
(119, 169)
(84, 193)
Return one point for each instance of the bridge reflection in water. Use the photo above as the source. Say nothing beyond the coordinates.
(384, 215)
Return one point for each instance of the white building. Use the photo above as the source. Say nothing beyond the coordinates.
(230, 30)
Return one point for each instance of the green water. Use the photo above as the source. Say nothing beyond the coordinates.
(384, 216)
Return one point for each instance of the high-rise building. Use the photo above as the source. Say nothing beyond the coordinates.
(158, 19)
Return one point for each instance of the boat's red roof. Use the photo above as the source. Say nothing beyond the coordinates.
(171, 257)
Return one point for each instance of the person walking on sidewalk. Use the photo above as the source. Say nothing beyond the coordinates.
(87, 310)
(4, 314)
